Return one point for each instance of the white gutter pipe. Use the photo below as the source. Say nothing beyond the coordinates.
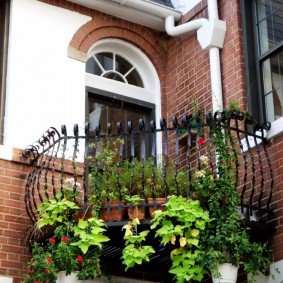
(184, 28)
(149, 7)
(211, 35)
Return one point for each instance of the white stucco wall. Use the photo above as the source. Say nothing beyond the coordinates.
(44, 87)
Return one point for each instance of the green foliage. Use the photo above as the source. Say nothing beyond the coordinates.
(135, 252)
(90, 233)
(180, 225)
(225, 238)
(75, 246)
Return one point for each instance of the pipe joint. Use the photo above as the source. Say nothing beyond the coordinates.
(212, 34)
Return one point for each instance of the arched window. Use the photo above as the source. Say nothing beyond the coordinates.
(121, 85)
(113, 66)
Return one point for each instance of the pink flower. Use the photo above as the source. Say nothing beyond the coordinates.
(52, 241)
(79, 258)
(201, 140)
(64, 239)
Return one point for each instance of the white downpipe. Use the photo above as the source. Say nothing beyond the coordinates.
(214, 54)
(215, 69)
(187, 27)
(215, 79)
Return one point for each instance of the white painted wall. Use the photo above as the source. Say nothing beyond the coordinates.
(184, 5)
(6, 279)
(44, 87)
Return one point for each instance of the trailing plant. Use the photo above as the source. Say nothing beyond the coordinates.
(225, 238)
(179, 226)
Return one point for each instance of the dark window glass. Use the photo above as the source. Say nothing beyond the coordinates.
(262, 20)
(104, 110)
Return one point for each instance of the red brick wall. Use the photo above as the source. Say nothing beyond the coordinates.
(14, 222)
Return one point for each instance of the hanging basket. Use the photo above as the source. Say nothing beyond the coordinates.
(71, 278)
(228, 273)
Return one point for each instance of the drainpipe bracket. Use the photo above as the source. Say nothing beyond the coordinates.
(212, 34)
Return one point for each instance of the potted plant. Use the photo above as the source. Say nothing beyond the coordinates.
(135, 252)
(180, 226)
(73, 247)
(225, 239)
(109, 180)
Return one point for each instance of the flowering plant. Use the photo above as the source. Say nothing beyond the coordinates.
(74, 246)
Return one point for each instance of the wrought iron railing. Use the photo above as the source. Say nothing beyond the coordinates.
(57, 154)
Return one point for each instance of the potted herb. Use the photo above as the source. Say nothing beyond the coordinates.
(108, 180)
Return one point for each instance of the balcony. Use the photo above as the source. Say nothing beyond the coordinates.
(59, 155)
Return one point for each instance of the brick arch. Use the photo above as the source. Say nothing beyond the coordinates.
(107, 27)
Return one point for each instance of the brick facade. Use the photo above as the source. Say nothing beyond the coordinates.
(13, 218)
(183, 69)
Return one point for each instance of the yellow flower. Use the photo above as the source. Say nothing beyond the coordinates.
(183, 241)
(195, 232)
(173, 240)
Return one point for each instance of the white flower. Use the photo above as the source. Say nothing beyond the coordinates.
(203, 160)
(200, 174)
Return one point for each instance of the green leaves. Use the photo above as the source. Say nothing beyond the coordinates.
(90, 233)
(55, 211)
(136, 255)
(180, 226)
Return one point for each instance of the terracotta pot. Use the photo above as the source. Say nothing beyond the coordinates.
(71, 278)
(112, 211)
(156, 204)
(83, 214)
(228, 273)
(136, 212)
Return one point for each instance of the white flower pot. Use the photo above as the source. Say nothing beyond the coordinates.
(228, 273)
(71, 278)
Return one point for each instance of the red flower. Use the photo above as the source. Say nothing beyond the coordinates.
(37, 281)
(49, 260)
(52, 241)
(201, 140)
(79, 258)
(64, 239)
(46, 271)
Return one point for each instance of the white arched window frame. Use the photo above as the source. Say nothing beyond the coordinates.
(151, 84)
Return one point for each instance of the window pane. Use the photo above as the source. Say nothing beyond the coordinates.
(114, 76)
(134, 78)
(269, 21)
(101, 113)
(263, 9)
(122, 65)
(278, 25)
(272, 70)
(92, 67)
(106, 60)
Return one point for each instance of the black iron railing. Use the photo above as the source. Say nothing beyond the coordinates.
(56, 154)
